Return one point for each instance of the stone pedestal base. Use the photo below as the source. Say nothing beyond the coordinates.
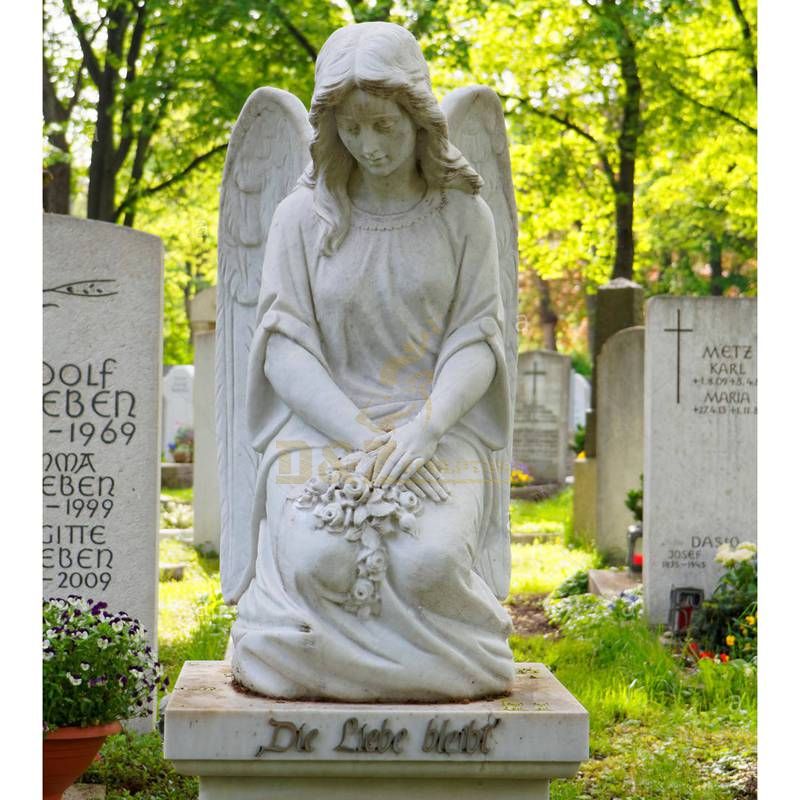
(246, 747)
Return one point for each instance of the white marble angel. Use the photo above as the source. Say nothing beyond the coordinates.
(366, 352)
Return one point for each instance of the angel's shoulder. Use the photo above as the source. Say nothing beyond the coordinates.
(296, 210)
(467, 212)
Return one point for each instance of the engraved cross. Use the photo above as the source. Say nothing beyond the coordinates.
(535, 373)
(678, 331)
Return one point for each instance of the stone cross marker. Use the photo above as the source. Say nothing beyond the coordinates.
(177, 405)
(620, 437)
(541, 418)
(700, 443)
(101, 411)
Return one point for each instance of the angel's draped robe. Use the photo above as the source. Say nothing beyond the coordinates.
(400, 296)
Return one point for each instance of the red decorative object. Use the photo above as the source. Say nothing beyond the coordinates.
(67, 754)
(638, 559)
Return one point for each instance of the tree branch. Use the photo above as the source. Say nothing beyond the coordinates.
(747, 35)
(134, 48)
(89, 57)
(569, 125)
(298, 35)
(150, 190)
(713, 109)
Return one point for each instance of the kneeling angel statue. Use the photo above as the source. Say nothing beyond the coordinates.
(366, 373)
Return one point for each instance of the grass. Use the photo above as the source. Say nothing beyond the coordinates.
(179, 495)
(193, 622)
(657, 730)
(539, 567)
(553, 515)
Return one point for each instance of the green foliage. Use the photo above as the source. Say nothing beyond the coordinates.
(97, 666)
(578, 583)
(133, 766)
(726, 622)
(634, 501)
(582, 364)
(579, 440)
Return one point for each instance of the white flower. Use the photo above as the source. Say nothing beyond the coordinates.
(117, 626)
(51, 633)
(45, 644)
(74, 679)
(103, 642)
(85, 666)
(48, 654)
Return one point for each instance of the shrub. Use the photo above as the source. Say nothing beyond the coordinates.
(634, 501)
(726, 622)
(575, 584)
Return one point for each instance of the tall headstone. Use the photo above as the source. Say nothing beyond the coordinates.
(620, 437)
(203, 313)
(700, 443)
(101, 403)
(177, 405)
(541, 418)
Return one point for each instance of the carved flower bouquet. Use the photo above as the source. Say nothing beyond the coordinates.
(346, 503)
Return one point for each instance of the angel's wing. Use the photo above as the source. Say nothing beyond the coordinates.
(477, 128)
(267, 153)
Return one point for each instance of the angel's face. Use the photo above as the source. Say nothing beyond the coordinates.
(377, 132)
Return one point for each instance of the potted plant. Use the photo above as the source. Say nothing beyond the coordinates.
(182, 448)
(98, 669)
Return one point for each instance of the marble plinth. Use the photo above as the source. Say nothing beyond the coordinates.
(247, 747)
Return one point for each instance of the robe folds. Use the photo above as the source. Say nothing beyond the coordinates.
(401, 295)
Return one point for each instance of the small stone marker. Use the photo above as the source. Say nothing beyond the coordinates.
(177, 405)
(101, 412)
(620, 437)
(700, 442)
(580, 400)
(206, 480)
(541, 418)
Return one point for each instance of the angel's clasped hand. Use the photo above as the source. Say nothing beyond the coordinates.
(406, 456)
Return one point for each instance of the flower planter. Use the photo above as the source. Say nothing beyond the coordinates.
(67, 754)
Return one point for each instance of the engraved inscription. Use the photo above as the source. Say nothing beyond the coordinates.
(89, 421)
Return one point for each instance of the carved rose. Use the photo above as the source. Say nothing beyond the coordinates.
(363, 590)
(331, 516)
(356, 488)
(410, 502)
(408, 523)
(306, 500)
(375, 563)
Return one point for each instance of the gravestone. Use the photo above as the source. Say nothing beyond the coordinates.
(101, 411)
(177, 405)
(620, 437)
(541, 416)
(203, 312)
(700, 443)
(580, 400)
(619, 305)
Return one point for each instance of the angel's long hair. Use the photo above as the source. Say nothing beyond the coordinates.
(383, 59)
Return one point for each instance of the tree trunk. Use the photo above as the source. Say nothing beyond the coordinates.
(103, 166)
(627, 143)
(56, 179)
(715, 260)
(548, 319)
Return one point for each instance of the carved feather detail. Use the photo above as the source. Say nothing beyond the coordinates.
(477, 128)
(267, 153)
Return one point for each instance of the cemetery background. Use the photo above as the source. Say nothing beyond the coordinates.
(686, 123)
